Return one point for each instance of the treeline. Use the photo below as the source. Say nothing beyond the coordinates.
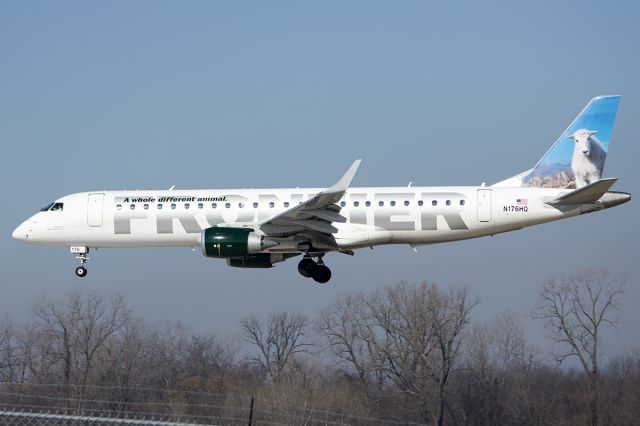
(407, 353)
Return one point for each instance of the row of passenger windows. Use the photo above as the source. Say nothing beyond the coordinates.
(187, 206)
(285, 204)
(393, 203)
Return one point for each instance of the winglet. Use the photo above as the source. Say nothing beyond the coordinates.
(586, 195)
(345, 181)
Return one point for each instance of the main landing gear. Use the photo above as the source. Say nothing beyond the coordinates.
(316, 270)
(82, 253)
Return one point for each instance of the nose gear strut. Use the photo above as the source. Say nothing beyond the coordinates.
(82, 252)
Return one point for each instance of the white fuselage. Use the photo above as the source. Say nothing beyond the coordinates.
(374, 216)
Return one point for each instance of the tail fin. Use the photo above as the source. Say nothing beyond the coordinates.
(577, 158)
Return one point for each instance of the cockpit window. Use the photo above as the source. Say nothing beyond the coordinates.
(53, 207)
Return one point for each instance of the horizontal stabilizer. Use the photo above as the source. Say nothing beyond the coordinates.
(586, 195)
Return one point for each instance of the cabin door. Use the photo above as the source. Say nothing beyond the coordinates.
(94, 209)
(484, 205)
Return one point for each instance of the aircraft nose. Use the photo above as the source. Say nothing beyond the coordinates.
(21, 232)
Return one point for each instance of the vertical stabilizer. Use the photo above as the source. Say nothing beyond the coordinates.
(577, 158)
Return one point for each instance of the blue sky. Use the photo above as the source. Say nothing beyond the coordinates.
(143, 95)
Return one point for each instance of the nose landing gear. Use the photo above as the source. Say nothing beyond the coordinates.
(81, 251)
(316, 270)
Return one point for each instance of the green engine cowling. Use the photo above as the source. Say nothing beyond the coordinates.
(222, 242)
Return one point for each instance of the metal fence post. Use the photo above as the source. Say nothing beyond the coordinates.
(251, 411)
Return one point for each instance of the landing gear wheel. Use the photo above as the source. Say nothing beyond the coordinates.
(81, 271)
(306, 267)
(321, 274)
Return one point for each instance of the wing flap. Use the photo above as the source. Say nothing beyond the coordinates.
(316, 225)
(586, 195)
(329, 216)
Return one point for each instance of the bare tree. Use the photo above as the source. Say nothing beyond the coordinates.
(498, 362)
(449, 315)
(79, 328)
(408, 335)
(209, 358)
(7, 350)
(278, 340)
(343, 324)
(575, 309)
(623, 385)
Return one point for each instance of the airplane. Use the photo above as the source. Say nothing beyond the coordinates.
(257, 228)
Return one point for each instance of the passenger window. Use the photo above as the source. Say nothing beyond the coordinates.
(448, 202)
(119, 207)
(393, 203)
(368, 203)
(255, 205)
(342, 204)
(434, 203)
(356, 204)
(146, 206)
(381, 203)
(200, 205)
(173, 206)
(462, 202)
(132, 206)
(420, 203)
(186, 206)
(159, 206)
(227, 205)
(272, 205)
(406, 203)
(286, 204)
(214, 205)
(241, 205)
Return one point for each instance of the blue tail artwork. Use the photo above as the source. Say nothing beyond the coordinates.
(577, 158)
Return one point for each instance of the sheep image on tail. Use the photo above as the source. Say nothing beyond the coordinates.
(588, 157)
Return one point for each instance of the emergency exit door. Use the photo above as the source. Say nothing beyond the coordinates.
(94, 209)
(484, 205)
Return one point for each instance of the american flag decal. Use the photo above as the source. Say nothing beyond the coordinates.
(521, 201)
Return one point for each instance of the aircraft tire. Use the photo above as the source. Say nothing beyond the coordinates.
(322, 274)
(81, 271)
(306, 267)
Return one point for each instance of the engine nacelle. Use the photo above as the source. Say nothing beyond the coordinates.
(233, 242)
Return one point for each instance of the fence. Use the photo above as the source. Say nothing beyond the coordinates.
(30, 418)
(38, 404)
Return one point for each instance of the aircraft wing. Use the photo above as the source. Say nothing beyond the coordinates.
(313, 218)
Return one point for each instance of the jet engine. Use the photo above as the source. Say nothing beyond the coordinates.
(233, 242)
